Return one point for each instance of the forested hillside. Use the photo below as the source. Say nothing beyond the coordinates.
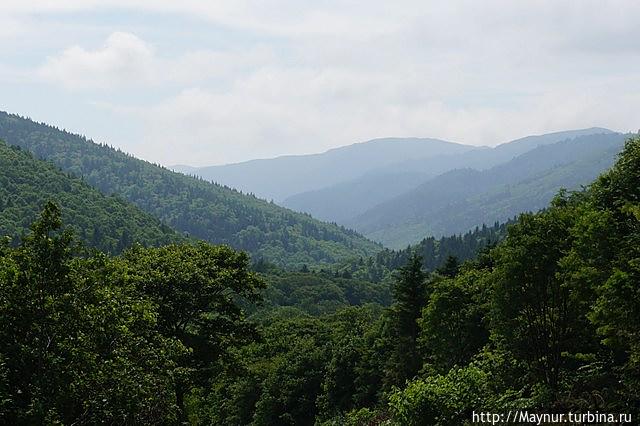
(435, 253)
(200, 209)
(459, 200)
(545, 321)
(104, 222)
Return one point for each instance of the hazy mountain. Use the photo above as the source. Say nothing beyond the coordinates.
(345, 200)
(281, 177)
(201, 209)
(107, 223)
(481, 159)
(460, 199)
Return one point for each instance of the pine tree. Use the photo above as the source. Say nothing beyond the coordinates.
(410, 295)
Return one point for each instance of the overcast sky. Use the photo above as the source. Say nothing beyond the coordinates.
(211, 82)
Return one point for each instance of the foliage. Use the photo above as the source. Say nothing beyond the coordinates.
(196, 290)
(434, 252)
(452, 325)
(442, 399)
(317, 293)
(107, 223)
(84, 339)
(535, 313)
(204, 210)
(410, 296)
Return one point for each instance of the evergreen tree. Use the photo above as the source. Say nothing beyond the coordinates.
(450, 267)
(410, 295)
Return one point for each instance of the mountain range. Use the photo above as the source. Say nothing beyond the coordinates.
(397, 191)
(461, 199)
(346, 200)
(394, 191)
(283, 177)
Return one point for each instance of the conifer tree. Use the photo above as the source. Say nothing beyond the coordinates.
(410, 295)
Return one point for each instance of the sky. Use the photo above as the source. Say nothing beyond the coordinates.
(211, 82)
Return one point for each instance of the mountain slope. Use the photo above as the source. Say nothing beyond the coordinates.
(346, 200)
(461, 199)
(343, 201)
(207, 211)
(281, 177)
(109, 224)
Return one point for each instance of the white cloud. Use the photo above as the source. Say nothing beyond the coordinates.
(556, 19)
(123, 60)
(126, 60)
(278, 111)
(309, 76)
(283, 17)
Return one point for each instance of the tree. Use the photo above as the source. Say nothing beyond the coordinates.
(442, 400)
(450, 267)
(197, 289)
(453, 325)
(606, 256)
(75, 347)
(410, 295)
(37, 309)
(347, 368)
(537, 315)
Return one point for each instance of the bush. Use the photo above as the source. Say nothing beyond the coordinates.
(442, 399)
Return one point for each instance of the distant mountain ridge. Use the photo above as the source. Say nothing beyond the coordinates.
(460, 199)
(347, 200)
(486, 158)
(281, 177)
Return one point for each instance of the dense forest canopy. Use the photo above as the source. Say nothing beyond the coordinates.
(118, 340)
(433, 252)
(107, 223)
(545, 320)
(199, 209)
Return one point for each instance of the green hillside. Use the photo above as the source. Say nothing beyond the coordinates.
(107, 223)
(207, 211)
(459, 200)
